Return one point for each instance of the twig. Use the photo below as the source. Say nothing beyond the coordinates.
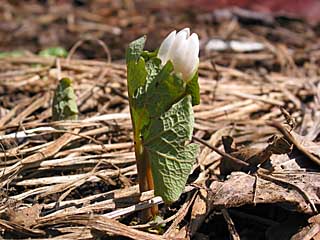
(313, 231)
(232, 229)
(182, 213)
(303, 193)
(289, 137)
(137, 207)
(217, 150)
(80, 42)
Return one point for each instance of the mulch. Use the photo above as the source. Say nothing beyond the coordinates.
(78, 180)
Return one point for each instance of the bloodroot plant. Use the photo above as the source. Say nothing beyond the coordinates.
(162, 88)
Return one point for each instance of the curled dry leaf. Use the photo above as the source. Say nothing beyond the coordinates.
(252, 190)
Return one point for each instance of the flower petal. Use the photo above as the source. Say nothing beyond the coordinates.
(187, 30)
(183, 50)
(178, 52)
(183, 34)
(191, 71)
(192, 55)
(164, 50)
(193, 43)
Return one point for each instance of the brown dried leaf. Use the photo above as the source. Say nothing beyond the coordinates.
(308, 233)
(241, 189)
(253, 156)
(312, 147)
(297, 159)
(26, 217)
(199, 212)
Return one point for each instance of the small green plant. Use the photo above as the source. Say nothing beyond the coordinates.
(16, 53)
(64, 106)
(162, 88)
(54, 52)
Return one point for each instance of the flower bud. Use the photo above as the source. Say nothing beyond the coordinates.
(183, 51)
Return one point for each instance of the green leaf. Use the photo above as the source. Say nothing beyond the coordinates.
(163, 88)
(16, 53)
(135, 49)
(194, 90)
(165, 144)
(64, 106)
(54, 52)
(136, 70)
(148, 55)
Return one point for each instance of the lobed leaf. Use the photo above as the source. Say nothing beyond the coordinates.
(194, 90)
(171, 159)
(136, 69)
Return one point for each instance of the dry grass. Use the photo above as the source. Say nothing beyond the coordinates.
(83, 183)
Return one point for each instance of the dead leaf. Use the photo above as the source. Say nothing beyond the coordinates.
(199, 212)
(249, 191)
(26, 217)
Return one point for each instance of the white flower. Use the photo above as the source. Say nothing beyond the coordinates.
(183, 51)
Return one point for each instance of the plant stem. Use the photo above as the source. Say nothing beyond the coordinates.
(143, 167)
(154, 209)
(145, 177)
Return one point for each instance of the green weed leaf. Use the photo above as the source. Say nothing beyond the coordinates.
(54, 52)
(64, 106)
(16, 53)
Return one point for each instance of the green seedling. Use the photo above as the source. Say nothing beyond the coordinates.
(64, 106)
(54, 52)
(16, 53)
